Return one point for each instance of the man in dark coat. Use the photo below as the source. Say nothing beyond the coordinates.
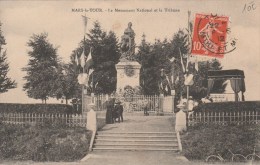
(119, 110)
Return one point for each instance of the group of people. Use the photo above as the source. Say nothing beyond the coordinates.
(114, 112)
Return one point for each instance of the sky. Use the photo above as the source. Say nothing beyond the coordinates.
(22, 19)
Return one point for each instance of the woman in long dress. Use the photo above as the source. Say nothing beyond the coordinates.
(109, 113)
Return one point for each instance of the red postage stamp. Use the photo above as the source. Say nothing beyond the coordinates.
(209, 35)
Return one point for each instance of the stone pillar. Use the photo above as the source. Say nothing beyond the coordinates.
(180, 124)
(173, 100)
(161, 99)
(92, 118)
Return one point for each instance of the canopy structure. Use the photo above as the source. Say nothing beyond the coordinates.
(235, 76)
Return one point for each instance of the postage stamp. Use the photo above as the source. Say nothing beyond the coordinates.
(210, 35)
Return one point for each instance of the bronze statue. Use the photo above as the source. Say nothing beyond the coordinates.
(128, 43)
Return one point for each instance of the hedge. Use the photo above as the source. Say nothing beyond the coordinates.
(39, 143)
(228, 106)
(204, 140)
(37, 108)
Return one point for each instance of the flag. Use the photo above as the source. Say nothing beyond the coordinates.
(90, 71)
(183, 68)
(197, 65)
(82, 59)
(188, 79)
(168, 81)
(167, 78)
(85, 20)
(76, 60)
(187, 63)
(96, 85)
(89, 61)
(91, 84)
(161, 85)
(177, 80)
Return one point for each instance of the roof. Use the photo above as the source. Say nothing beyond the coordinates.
(218, 74)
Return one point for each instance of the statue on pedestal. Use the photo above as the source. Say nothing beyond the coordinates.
(128, 43)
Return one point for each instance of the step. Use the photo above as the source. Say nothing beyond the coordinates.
(134, 136)
(112, 132)
(133, 149)
(137, 147)
(141, 144)
(135, 140)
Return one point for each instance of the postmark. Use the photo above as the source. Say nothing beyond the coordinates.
(210, 36)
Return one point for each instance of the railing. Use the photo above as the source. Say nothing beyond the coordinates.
(224, 118)
(69, 120)
(130, 104)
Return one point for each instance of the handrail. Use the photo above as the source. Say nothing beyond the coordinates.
(179, 141)
(92, 140)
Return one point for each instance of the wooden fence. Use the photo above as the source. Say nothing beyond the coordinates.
(224, 118)
(69, 120)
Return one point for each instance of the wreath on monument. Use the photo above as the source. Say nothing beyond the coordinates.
(129, 70)
(128, 93)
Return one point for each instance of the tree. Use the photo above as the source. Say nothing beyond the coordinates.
(153, 60)
(42, 69)
(69, 87)
(5, 81)
(105, 55)
(180, 48)
(157, 69)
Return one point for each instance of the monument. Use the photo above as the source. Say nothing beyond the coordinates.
(128, 70)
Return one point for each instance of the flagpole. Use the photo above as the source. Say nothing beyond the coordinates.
(83, 54)
(187, 65)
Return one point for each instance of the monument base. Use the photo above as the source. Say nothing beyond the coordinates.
(128, 74)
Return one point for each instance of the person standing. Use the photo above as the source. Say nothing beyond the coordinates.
(109, 113)
(119, 111)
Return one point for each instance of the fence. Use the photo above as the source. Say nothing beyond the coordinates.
(41, 119)
(130, 104)
(224, 118)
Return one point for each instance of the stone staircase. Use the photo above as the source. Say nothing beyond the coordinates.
(135, 141)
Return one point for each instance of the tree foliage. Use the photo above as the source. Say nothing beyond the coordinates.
(69, 87)
(5, 82)
(42, 78)
(161, 75)
(152, 59)
(105, 55)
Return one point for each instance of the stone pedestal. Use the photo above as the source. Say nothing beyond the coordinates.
(92, 119)
(128, 73)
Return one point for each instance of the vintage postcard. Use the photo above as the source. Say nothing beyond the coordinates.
(129, 82)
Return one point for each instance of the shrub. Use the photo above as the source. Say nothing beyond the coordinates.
(229, 106)
(204, 140)
(37, 108)
(43, 143)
